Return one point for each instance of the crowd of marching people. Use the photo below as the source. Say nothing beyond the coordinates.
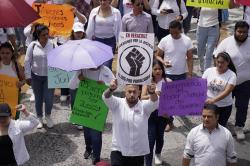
(138, 131)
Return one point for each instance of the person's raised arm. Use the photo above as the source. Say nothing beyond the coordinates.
(112, 87)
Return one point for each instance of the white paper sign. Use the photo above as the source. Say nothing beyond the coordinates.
(135, 57)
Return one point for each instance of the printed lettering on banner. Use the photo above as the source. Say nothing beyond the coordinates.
(58, 78)
(135, 58)
(184, 97)
(9, 92)
(89, 109)
(59, 18)
(219, 4)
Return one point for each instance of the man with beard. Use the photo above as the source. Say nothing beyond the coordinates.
(238, 47)
(130, 124)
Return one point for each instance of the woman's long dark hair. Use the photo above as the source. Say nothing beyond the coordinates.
(73, 38)
(155, 62)
(38, 30)
(9, 46)
(225, 56)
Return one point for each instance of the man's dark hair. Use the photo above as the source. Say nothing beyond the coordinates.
(133, 1)
(241, 24)
(211, 107)
(175, 24)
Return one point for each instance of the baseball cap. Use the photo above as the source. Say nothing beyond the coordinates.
(5, 110)
(78, 27)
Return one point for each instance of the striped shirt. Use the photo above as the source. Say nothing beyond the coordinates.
(141, 23)
(36, 59)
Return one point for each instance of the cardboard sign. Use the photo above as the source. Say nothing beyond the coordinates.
(184, 97)
(243, 2)
(58, 78)
(9, 92)
(59, 18)
(89, 109)
(219, 4)
(135, 58)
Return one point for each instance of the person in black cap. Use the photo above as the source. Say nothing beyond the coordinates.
(13, 150)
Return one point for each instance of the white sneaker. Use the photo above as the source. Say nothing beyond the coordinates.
(49, 121)
(63, 98)
(79, 127)
(40, 124)
(32, 97)
(239, 133)
(158, 160)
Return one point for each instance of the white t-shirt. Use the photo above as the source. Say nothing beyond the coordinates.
(7, 70)
(208, 17)
(247, 17)
(104, 26)
(240, 55)
(175, 51)
(216, 83)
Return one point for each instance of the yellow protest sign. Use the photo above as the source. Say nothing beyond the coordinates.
(219, 4)
(9, 92)
(59, 18)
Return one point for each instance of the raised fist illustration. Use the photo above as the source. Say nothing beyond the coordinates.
(135, 61)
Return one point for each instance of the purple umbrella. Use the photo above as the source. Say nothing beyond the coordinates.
(79, 54)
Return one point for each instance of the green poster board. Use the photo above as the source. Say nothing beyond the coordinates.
(89, 109)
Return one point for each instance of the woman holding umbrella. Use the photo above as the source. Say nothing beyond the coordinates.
(104, 25)
(36, 70)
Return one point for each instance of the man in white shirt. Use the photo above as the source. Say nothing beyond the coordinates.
(130, 124)
(238, 47)
(175, 53)
(210, 144)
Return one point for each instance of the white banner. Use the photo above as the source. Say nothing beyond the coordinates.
(135, 57)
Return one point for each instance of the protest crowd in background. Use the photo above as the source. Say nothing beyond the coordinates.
(97, 51)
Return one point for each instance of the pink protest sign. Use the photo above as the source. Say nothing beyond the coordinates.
(243, 2)
(184, 97)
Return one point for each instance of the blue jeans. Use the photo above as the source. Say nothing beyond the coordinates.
(242, 96)
(42, 94)
(93, 141)
(156, 127)
(207, 38)
(110, 42)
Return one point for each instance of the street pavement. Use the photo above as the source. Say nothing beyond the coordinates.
(64, 144)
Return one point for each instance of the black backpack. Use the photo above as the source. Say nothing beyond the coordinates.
(177, 1)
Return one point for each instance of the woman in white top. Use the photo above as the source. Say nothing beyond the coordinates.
(104, 25)
(12, 144)
(221, 81)
(9, 66)
(36, 71)
(156, 124)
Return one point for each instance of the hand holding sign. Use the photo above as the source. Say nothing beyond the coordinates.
(113, 85)
(135, 60)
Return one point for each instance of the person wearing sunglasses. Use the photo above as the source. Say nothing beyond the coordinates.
(137, 20)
